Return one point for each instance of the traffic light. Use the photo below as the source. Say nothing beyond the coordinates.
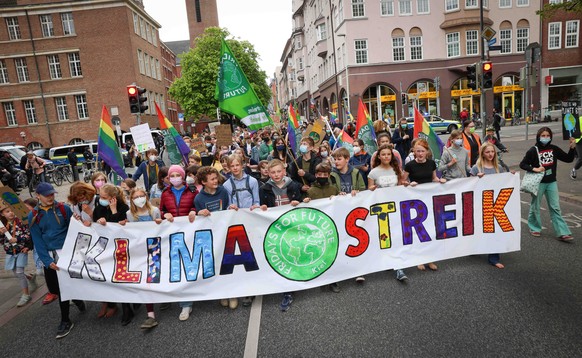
(133, 99)
(404, 98)
(472, 77)
(142, 98)
(487, 75)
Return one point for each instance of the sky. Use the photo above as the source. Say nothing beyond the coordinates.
(264, 23)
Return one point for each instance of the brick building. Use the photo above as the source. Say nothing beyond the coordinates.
(201, 14)
(61, 61)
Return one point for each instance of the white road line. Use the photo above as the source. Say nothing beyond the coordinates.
(252, 342)
(528, 203)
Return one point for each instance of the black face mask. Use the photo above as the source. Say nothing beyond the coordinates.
(322, 181)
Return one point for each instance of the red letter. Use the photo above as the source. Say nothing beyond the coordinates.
(122, 264)
(357, 232)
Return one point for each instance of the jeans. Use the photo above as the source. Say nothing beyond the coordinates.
(186, 304)
(534, 220)
(75, 172)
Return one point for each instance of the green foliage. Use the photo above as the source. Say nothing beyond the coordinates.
(549, 10)
(194, 91)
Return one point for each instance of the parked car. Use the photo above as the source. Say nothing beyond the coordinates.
(17, 152)
(437, 123)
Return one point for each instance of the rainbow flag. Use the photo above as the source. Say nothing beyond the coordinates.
(293, 136)
(107, 148)
(344, 140)
(423, 130)
(178, 150)
(365, 129)
(332, 118)
(349, 115)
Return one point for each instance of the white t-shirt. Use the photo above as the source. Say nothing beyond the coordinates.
(383, 177)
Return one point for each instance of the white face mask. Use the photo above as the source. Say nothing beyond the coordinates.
(153, 158)
(458, 142)
(139, 202)
(176, 181)
(190, 180)
(357, 150)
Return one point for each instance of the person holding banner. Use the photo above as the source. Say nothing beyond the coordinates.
(543, 158)
(421, 170)
(81, 198)
(454, 162)
(178, 200)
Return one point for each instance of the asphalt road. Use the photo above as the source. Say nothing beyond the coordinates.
(466, 308)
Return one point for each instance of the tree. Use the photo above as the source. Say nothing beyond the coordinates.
(194, 91)
(572, 6)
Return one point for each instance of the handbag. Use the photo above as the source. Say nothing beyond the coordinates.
(531, 180)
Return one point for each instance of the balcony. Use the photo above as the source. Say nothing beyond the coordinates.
(297, 30)
(465, 18)
(321, 48)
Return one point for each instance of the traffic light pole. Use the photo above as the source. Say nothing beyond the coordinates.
(482, 102)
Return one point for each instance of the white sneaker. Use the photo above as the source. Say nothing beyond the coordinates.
(24, 299)
(185, 314)
(32, 285)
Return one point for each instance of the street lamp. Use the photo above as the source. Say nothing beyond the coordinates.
(23, 136)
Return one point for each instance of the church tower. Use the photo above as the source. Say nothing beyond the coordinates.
(201, 14)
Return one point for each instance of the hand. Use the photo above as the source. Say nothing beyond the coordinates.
(305, 187)
(480, 175)
(253, 207)
(342, 194)
(572, 143)
(301, 172)
(539, 169)
(87, 223)
(294, 203)
(191, 216)
(102, 221)
(158, 221)
(233, 207)
(405, 137)
(452, 162)
(372, 187)
(2, 230)
(306, 200)
(122, 222)
(113, 205)
(13, 240)
(204, 212)
(264, 207)
(25, 250)
(169, 217)
(53, 266)
(413, 184)
(86, 208)
(354, 192)
(442, 180)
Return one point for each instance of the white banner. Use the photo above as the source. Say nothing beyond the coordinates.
(243, 253)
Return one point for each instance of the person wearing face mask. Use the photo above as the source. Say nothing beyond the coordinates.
(98, 179)
(266, 147)
(280, 152)
(140, 209)
(361, 160)
(191, 173)
(325, 155)
(149, 169)
(302, 170)
(81, 198)
(471, 141)
(402, 138)
(163, 182)
(543, 158)
(454, 162)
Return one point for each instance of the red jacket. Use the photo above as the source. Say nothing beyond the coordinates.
(168, 202)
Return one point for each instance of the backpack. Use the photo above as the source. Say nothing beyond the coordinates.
(235, 190)
(37, 214)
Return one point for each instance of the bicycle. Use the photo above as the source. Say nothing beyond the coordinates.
(65, 171)
(88, 171)
(53, 174)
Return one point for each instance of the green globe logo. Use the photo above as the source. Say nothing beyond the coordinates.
(301, 244)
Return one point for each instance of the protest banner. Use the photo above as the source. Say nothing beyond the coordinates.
(142, 137)
(285, 249)
(9, 198)
(223, 135)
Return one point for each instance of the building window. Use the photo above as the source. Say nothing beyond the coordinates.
(451, 5)
(554, 35)
(68, 23)
(398, 49)
(198, 12)
(142, 28)
(298, 43)
(471, 4)
(149, 32)
(46, 24)
(504, 3)
(154, 37)
(321, 32)
(62, 112)
(158, 70)
(572, 30)
(472, 42)
(3, 72)
(422, 7)
(387, 7)
(82, 109)
(522, 39)
(148, 69)
(75, 64)
(404, 7)
(21, 70)
(340, 11)
(13, 28)
(10, 114)
(54, 67)
(505, 37)
(358, 8)
(300, 62)
(453, 46)
(361, 51)
(522, 2)
(153, 67)
(141, 63)
(30, 111)
(136, 23)
(416, 47)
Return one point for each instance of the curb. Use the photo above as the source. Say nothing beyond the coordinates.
(12, 313)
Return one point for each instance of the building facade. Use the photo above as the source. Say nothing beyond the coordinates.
(60, 62)
(380, 51)
(201, 14)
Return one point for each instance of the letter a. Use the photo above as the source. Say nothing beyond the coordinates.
(237, 234)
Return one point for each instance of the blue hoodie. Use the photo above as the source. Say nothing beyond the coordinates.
(213, 202)
(49, 233)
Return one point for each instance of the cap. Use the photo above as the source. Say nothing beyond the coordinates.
(45, 189)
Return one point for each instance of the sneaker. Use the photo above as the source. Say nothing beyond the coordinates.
(232, 303)
(185, 314)
(286, 302)
(566, 238)
(24, 299)
(360, 279)
(224, 302)
(247, 301)
(149, 323)
(164, 306)
(32, 285)
(401, 276)
(535, 233)
(573, 174)
(49, 298)
(335, 287)
(64, 329)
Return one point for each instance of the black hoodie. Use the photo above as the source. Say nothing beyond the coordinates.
(549, 154)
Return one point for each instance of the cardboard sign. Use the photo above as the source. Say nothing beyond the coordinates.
(223, 135)
(570, 121)
(9, 198)
(198, 144)
(142, 137)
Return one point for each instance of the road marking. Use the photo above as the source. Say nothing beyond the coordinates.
(525, 222)
(252, 342)
(526, 203)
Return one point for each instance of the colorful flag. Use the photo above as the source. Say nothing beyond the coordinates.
(317, 131)
(332, 118)
(423, 130)
(349, 115)
(107, 148)
(365, 129)
(344, 140)
(292, 130)
(235, 95)
(178, 150)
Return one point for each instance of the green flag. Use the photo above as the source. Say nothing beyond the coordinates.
(235, 95)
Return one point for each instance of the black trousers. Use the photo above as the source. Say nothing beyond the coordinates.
(52, 283)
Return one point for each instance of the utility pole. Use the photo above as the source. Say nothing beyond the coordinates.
(482, 102)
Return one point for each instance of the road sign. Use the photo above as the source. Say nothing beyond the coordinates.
(488, 33)
(495, 48)
(492, 41)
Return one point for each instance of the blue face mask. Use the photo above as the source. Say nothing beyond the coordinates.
(103, 202)
(303, 149)
(545, 141)
(280, 148)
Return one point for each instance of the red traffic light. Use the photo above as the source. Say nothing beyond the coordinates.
(487, 66)
(131, 90)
